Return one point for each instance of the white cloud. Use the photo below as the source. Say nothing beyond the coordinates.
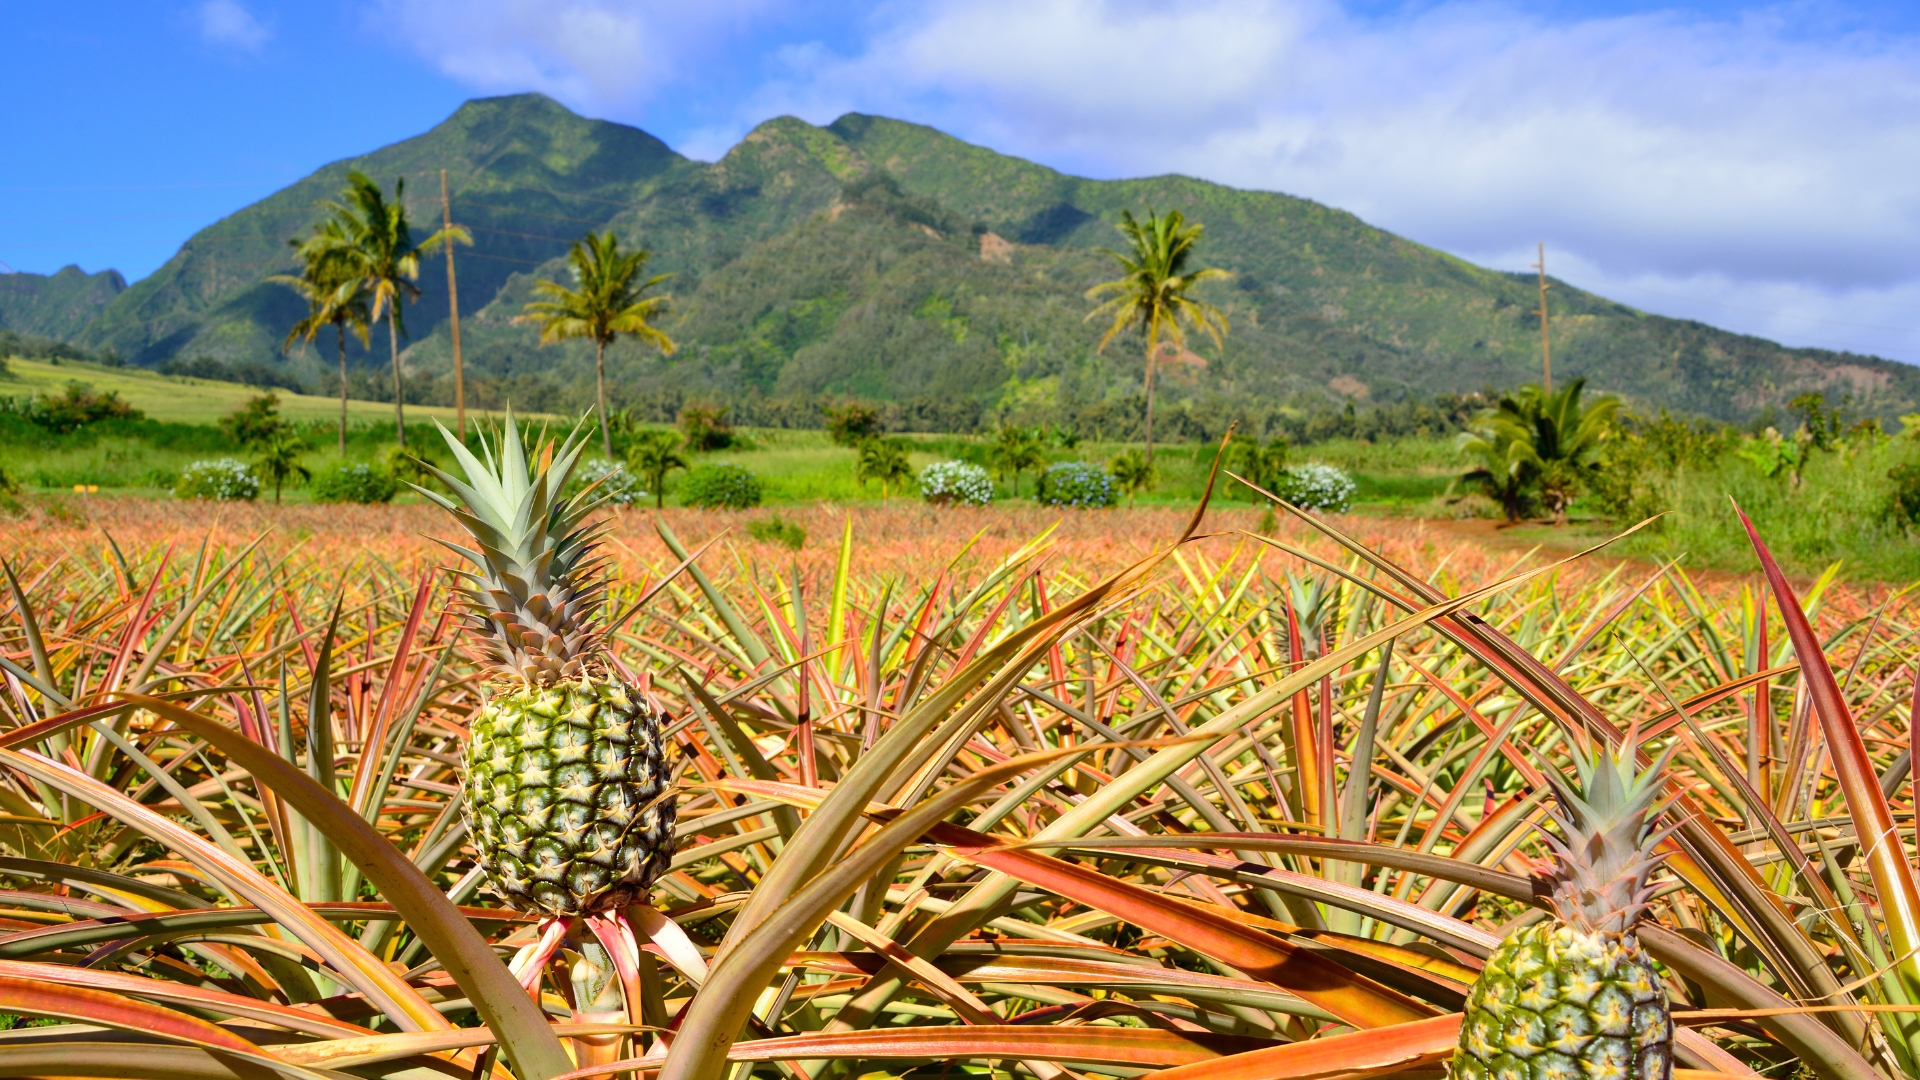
(1870, 319)
(591, 54)
(225, 22)
(1758, 166)
(1655, 148)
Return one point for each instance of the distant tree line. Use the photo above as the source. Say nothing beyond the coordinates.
(35, 347)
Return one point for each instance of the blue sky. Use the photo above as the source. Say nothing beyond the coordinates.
(1756, 166)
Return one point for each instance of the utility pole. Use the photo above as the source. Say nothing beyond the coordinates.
(453, 310)
(1546, 353)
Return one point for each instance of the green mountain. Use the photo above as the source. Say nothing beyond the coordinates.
(59, 306)
(887, 260)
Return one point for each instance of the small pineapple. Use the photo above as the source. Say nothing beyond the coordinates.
(1574, 997)
(565, 789)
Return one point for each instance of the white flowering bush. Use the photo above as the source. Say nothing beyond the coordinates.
(221, 479)
(620, 487)
(1316, 486)
(956, 483)
(1075, 483)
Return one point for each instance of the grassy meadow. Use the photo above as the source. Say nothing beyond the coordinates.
(1841, 512)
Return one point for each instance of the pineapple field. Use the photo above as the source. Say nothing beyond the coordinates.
(516, 786)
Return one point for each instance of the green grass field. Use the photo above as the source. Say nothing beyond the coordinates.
(796, 466)
(1840, 514)
(175, 399)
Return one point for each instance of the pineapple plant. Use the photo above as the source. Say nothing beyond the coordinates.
(1574, 997)
(563, 785)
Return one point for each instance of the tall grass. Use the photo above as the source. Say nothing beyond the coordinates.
(1842, 511)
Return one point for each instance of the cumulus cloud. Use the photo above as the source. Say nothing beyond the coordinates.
(1741, 171)
(592, 54)
(1751, 170)
(225, 22)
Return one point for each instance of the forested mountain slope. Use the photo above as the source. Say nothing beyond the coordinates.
(59, 305)
(887, 260)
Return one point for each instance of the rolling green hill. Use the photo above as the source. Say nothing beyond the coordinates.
(174, 399)
(58, 306)
(883, 259)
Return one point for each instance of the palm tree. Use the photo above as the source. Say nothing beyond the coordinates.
(1503, 460)
(652, 455)
(335, 297)
(1265, 465)
(1152, 296)
(1132, 473)
(884, 460)
(280, 452)
(1017, 449)
(1533, 438)
(610, 300)
(374, 238)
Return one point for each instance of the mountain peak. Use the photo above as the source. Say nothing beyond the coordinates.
(855, 258)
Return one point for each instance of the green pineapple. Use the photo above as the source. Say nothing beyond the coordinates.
(1574, 997)
(565, 787)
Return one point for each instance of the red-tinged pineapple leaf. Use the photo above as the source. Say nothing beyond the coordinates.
(1893, 876)
(1348, 1057)
(83, 1005)
(1085, 1045)
(1353, 998)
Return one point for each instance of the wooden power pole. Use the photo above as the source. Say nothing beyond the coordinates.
(1546, 353)
(453, 311)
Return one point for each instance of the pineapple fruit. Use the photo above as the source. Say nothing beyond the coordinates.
(1574, 997)
(564, 784)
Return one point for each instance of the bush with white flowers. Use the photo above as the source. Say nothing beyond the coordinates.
(956, 483)
(1316, 486)
(221, 479)
(618, 486)
(1075, 483)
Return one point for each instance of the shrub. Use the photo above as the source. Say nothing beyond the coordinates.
(706, 428)
(400, 463)
(1906, 492)
(852, 423)
(222, 479)
(1314, 486)
(721, 485)
(956, 483)
(1075, 483)
(81, 406)
(256, 422)
(357, 483)
(776, 530)
(617, 486)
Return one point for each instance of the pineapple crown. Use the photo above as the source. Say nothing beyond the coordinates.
(1608, 814)
(538, 584)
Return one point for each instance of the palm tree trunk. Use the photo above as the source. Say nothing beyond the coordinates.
(600, 375)
(660, 491)
(340, 329)
(1153, 356)
(399, 406)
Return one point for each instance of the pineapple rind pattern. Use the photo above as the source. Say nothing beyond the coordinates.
(562, 797)
(1554, 1003)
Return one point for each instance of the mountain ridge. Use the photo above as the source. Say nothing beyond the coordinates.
(57, 305)
(887, 259)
